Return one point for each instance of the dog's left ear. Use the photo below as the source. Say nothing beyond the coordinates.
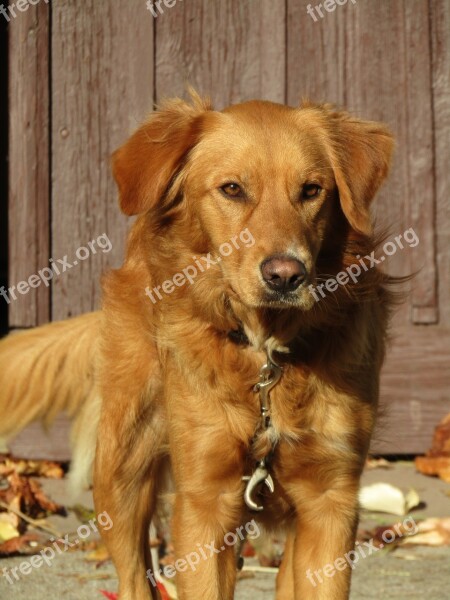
(146, 164)
(361, 158)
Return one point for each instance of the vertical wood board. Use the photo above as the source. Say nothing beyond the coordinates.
(102, 71)
(29, 148)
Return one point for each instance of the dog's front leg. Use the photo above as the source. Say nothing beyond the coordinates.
(125, 487)
(322, 541)
(207, 463)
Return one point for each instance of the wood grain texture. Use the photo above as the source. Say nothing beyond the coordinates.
(102, 72)
(415, 390)
(376, 76)
(389, 79)
(36, 443)
(420, 156)
(29, 162)
(231, 51)
(316, 54)
(440, 38)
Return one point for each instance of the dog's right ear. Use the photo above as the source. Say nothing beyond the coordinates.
(145, 165)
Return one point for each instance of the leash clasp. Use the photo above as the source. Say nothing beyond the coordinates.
(260, 476)
(269, 376)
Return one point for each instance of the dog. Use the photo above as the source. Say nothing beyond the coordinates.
(213, 357)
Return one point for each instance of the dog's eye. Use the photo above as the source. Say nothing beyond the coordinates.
(310, 191)
(232, 190)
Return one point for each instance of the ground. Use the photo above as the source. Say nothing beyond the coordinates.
(407, 573)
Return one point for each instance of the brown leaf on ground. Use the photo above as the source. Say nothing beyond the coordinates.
(377, 463)
(437, 459)
(25, 495)
(45, 504)
(9, 526)
(431, 532)
(37, 468)
(23, 545)
(435, 466)
(100, 555)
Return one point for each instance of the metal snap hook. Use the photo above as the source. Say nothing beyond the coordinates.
(260, 476)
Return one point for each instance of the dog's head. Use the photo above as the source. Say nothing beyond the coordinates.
(271, 187)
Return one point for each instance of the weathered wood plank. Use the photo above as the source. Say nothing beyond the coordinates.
(316, 56)
(415, 390)
(29, 161)
(36, 443)
(375, 80)
(4, 117)
(421, 190)
(102, 71)
(440, 27)
(231, 51)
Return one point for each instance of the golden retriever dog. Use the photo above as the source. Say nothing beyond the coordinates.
(232, 347)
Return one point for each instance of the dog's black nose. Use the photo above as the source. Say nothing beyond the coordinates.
(283, 273)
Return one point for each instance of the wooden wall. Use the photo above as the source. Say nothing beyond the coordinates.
(82, 77)
(3, 170)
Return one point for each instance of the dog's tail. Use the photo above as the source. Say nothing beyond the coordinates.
(51, 370)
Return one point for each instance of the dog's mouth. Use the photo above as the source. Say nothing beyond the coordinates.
(299, 298)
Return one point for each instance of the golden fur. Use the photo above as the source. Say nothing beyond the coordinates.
(175, 385)
(51, 370)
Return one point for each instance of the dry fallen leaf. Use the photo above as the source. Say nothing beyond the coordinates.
(384, 497)
(161, 587)
(109, 595)
(7, 532)
(99, 555)
(9, 526)
(431, 532)
(22, 545)
(26, 495)
(377, 463)
(167, 589)
(38, 468)
(437, 459)
(44, 502)
(435, 466)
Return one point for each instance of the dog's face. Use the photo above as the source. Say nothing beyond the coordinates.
(272, 178)
(264, 168)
